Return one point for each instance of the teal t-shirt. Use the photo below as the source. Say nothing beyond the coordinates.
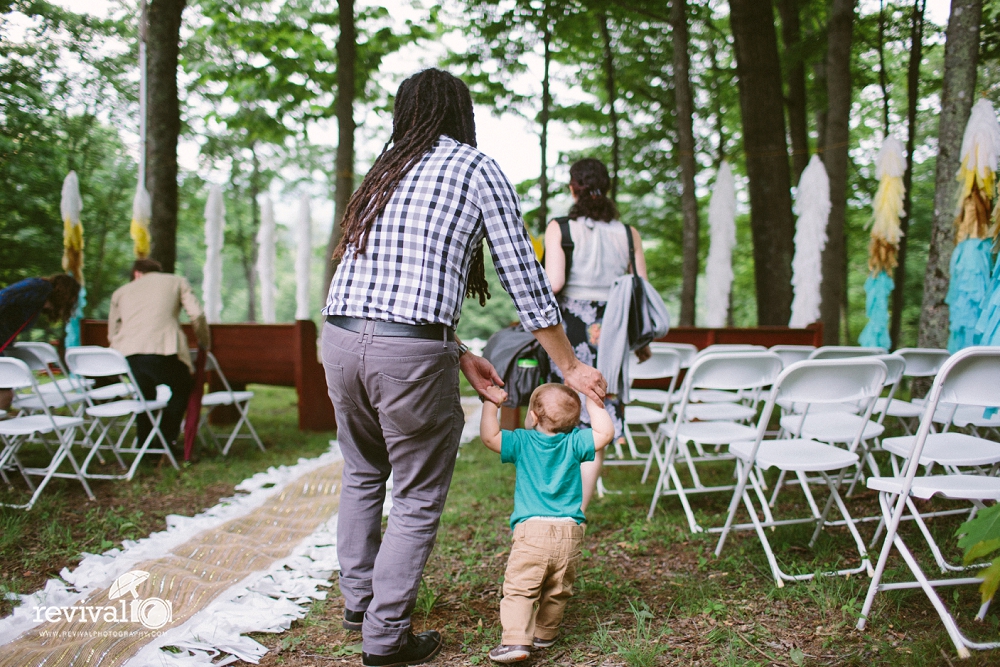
(548, 472)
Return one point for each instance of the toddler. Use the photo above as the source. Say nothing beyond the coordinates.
(548, 522)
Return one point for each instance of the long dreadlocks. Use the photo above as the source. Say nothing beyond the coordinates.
(428, 104)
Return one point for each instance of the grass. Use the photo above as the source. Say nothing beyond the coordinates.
(648, 592)
(36, 545)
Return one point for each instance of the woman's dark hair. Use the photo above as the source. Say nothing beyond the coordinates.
(590, 181)
(428, 104)
(62, 299)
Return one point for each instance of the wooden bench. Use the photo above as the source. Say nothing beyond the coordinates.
(275, 354)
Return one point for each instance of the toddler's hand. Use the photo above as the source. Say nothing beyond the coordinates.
(496, 395)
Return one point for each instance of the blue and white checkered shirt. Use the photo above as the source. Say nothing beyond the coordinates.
(416, 265)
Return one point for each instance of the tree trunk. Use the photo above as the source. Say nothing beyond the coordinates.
(543, 119)
(819, 78)
(250, 263)
(838, 131)
(961, 55)
(164, 121)
(912, 96)
(762, 108)
(685, 151)
(344, 165)
(612, 92)
(883, 78)
(798, 128)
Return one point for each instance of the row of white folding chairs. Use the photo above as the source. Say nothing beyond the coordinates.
(967, 378)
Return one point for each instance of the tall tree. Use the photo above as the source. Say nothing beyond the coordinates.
(961, 56)
(612, 92)
(798, 128)
(344, 166)
(762, 105)
(163, 119)
(685, 151)
(912, 97)
(543, 117)
(835, 156)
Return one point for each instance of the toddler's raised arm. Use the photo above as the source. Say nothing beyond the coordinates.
(600, 422)
(489, 424)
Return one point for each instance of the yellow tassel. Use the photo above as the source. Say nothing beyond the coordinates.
(888, 209)
(140, 237)
(72, 261)
(538, 243)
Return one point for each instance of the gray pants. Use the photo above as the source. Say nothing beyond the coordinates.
(398, 410)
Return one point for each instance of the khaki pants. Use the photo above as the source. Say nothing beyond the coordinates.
(541, 569)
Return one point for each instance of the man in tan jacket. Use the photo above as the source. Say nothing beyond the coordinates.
(143, 326)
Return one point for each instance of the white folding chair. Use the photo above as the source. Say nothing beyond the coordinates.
(238, 399)
(968, 377)
(715, 395)
(56, 394)
(103, 362)
(817, 381)
(687, 351)
(664, 364)
(844, 352)
(745, 370)
(16, 432)
(920, 363)
(48, 354)
(792, 353)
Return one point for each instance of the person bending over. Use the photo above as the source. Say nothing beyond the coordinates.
(143, 326)
(548, 522)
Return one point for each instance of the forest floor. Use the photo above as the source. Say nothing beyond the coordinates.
(648, 592)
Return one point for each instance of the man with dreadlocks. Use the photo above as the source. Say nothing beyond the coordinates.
(412, 250)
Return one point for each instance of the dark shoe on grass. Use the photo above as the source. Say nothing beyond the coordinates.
(544, 643)
(417, 650)
(353, 620)
(510, 653)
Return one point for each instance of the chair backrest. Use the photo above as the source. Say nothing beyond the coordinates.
(687, 351)
(661, 365)
(832, 380)
(15, 374)
(734, 370)
(971, 377)
(28, 356)
(845, 352)
(44, 351)
(923, 361)
(96, 362)
(895, 366)
(791, 353)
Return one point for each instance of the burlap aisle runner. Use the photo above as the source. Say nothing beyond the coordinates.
(179, 584)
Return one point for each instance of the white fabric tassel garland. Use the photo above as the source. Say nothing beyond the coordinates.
(265, 261)
(215, 213)
(303, 255)
(722, 240)
(812, 204)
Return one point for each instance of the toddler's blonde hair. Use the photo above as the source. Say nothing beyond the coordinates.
(556, 406)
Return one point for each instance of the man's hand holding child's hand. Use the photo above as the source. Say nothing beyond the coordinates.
(495, 395)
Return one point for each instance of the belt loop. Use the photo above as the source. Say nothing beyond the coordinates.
(444, 336)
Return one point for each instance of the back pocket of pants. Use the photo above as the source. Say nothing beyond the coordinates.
(412, 407)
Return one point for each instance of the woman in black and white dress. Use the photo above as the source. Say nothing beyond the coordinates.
(600, 256)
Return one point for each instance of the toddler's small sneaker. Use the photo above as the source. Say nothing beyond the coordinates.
(544, 643)
(510, 653)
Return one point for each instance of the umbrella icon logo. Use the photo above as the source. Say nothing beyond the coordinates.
(152, 612)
